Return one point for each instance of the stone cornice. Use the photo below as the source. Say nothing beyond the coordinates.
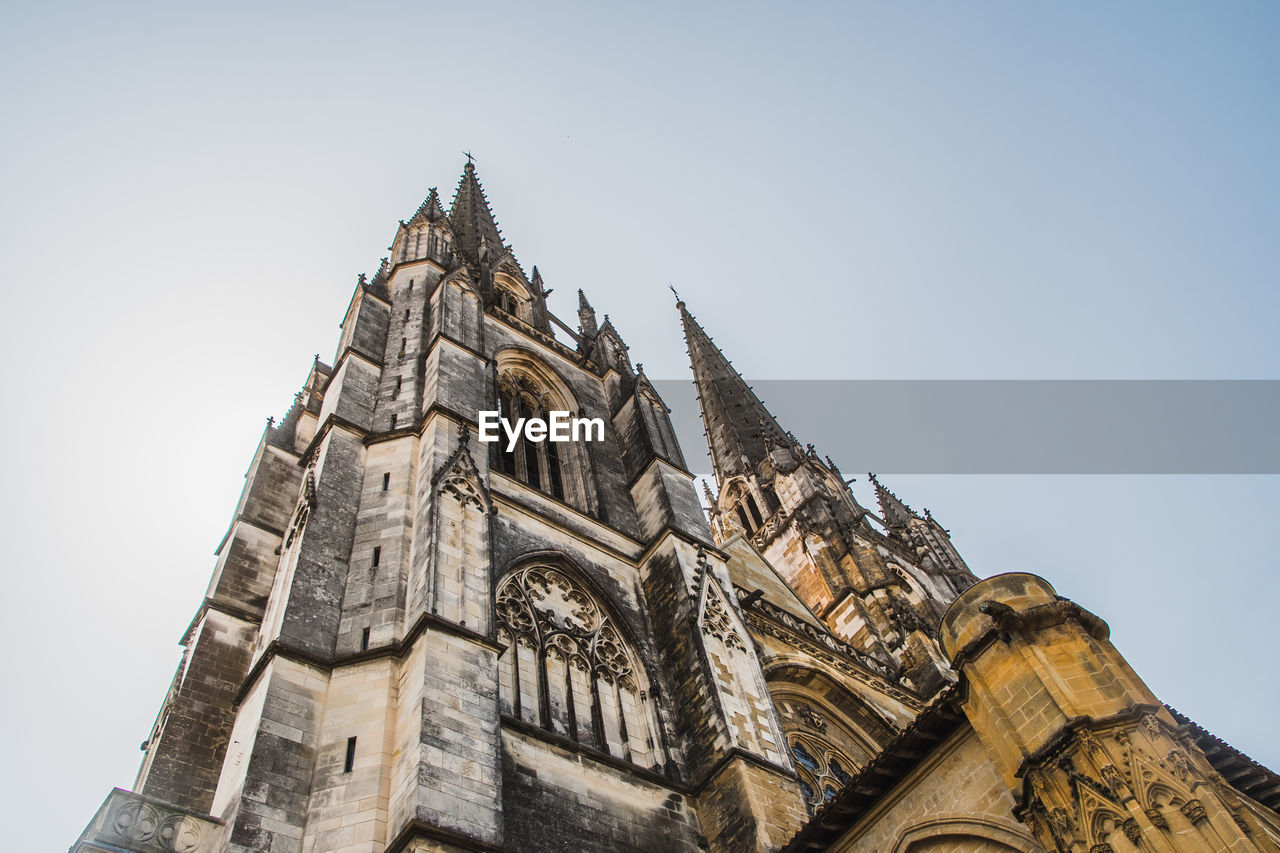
(569, 744)
(417, 828)
(398, 648)
(769, 619)
(1005, 622)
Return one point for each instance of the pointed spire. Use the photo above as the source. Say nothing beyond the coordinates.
(471, 219)
(586, 316)
(896, 514)
(737, 423)
(430, 209)
(711, 499)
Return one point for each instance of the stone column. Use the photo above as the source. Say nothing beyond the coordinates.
(1094, 759)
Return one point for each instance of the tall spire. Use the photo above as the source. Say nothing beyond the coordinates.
(471, 219)
(737, 423)
(896, 513)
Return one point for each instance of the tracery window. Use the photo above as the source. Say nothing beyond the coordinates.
(568, 669)
(534, 462)
(824, 770)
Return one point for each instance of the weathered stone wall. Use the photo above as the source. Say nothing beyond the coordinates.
(185, 752)
(747, 807)
(274, 777)
(954, 800)
(374, 597)
(555, 799)
(348, 810)
(312, 614)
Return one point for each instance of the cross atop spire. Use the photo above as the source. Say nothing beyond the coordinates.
(737, 423)
(472, 220)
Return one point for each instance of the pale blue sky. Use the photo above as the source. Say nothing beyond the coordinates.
(895, 190)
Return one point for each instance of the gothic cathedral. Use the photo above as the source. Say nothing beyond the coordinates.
(415, 640)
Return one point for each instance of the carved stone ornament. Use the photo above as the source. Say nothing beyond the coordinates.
(1180, 765)
(1194, 811)
(149, 827)
(1113, 781)
(1063, 825)
(306, 501)
(811, 718)
(460, 479)
(716, 622)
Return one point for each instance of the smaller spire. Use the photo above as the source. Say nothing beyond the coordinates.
(711, 499)
(430, 210)
(896, 514)
(586, 316)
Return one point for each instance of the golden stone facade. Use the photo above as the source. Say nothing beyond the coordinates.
(417, 641)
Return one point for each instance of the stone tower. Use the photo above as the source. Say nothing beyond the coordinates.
(413, 640)
(416, 639)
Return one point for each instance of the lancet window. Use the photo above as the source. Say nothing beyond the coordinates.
(537, 463)
(506, 300)
(568, 669)
(746, 510)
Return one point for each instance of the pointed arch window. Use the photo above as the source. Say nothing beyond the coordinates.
(823, 769)
(745, 509)
(568, 669)
(506, 300)
(537, 463)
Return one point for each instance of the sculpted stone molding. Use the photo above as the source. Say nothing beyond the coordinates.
(1110, 778)
(811, 633)
(716, 623)
(145, 825)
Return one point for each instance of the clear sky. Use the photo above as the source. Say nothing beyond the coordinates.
(893, 190)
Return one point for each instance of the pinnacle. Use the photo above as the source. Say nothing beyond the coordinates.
(895, 512)
(430, 209)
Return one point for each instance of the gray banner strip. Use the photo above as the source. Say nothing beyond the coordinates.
(1016, 426)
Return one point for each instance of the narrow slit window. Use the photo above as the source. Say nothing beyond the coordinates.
(393, 421)
(399, 385)
(377, 556)
(351, 756)
(386, 481)
(411, 285)
(364, 640)
(406, 314)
